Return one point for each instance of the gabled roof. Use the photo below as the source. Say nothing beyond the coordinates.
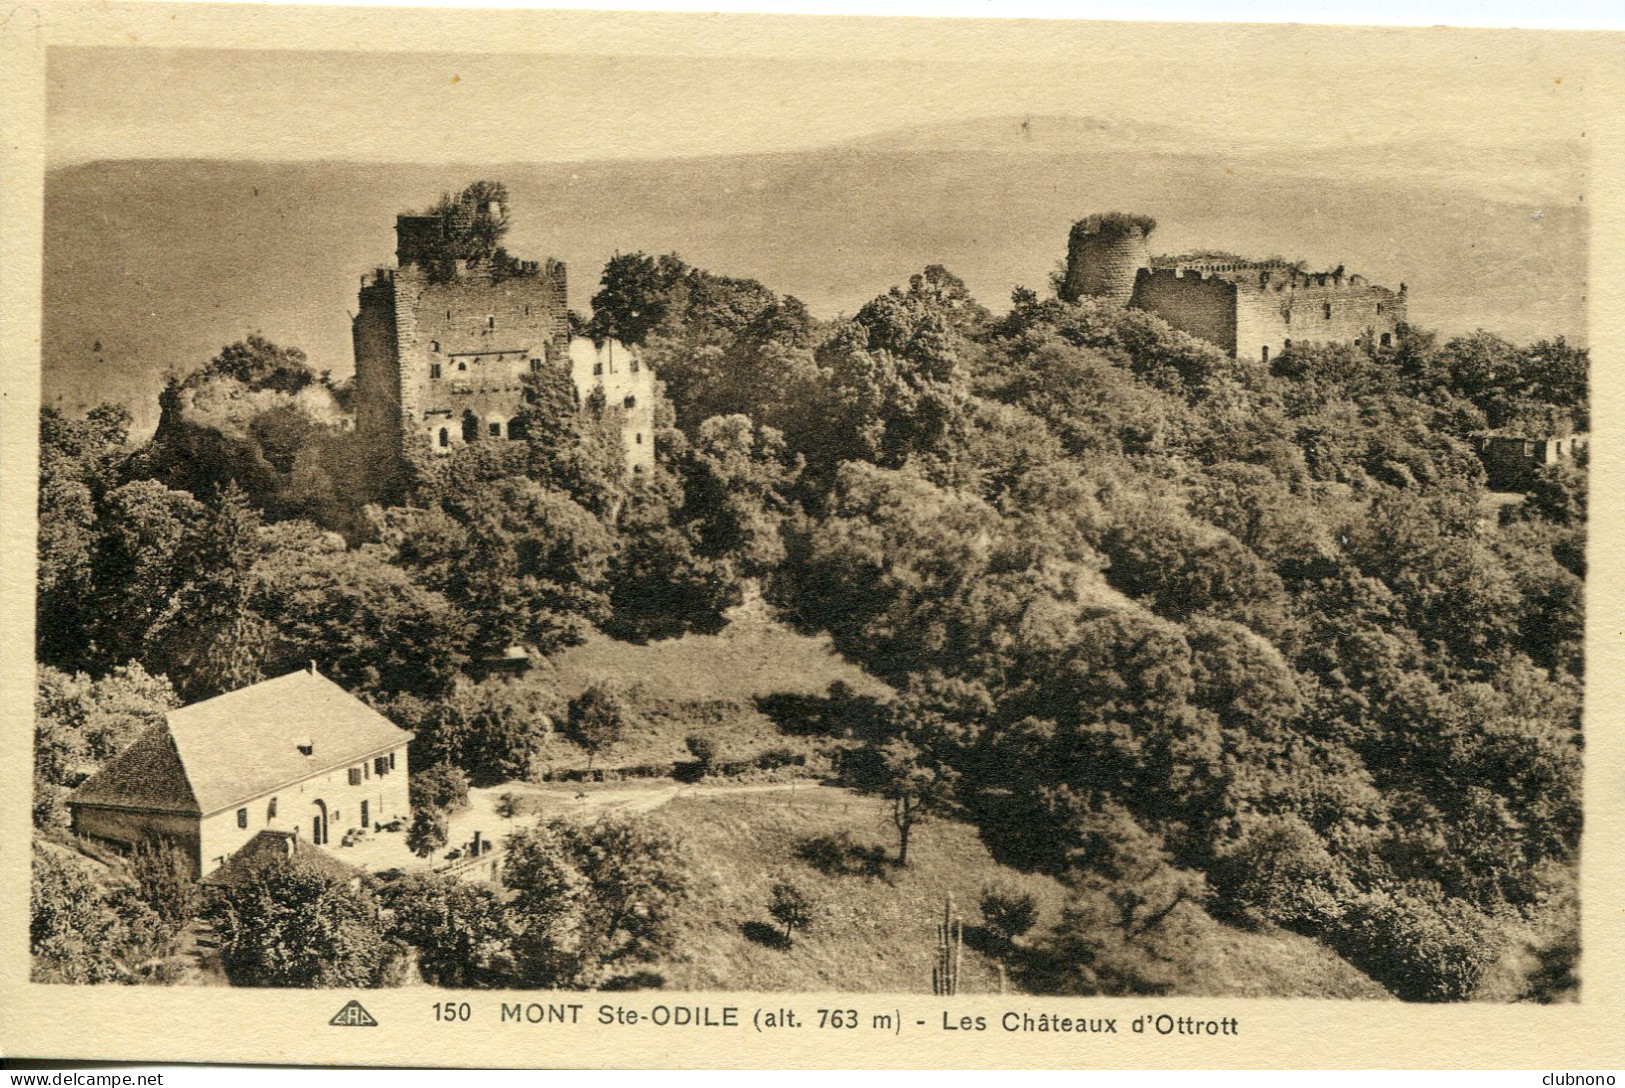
(146, 775)
(234, 747)
(275, 848)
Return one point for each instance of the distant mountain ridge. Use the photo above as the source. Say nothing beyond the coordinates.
(152, 266)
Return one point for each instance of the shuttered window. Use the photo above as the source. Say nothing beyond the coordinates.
(355, 776)
(242, 817)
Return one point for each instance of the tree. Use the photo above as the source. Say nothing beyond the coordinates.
(632, 297)
(365, 621)
(290, 925)
(427, 833)
(440, 786)
(208, 639)
(73, 934)
(917, 786)
(635, 873)
(598, 717)
(458, 928)
(552, 944)
(792, 907)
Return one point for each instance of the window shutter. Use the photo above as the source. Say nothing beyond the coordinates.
(355, 776)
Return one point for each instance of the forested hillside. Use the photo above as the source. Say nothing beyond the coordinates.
(1169, 628)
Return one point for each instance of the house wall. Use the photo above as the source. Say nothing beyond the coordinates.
(627, 387)
(1510, 461)
(386, 795)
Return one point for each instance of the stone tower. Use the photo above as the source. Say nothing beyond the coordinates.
(1104, 254)
(442, 348)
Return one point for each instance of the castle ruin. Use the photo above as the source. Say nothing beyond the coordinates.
(443, 343)
(1251, 309)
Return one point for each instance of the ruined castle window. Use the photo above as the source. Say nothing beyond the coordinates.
(462, 366)
(434, 345)
(434, 370)
(517, 428)
(630, 401)
(490, 322)
(535, 366)
(640, 438)
(1379, 307)
(1328, 311)
(635, 367)
(1265, 357)
(445, 438)
(1387, 339)
(637, 470)
(597, 369)
(496, 430)
(471, 427)
(242, 817)
(527, 311)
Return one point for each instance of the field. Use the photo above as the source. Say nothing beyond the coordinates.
(877, 932)
(700, 684)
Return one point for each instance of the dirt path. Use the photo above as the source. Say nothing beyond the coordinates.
(565, 800)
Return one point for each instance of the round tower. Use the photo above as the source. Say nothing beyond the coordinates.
(1104, 255)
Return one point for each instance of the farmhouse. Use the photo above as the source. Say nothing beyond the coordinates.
(297, 755)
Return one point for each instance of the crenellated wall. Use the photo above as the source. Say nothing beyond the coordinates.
(1258, 311)
(1204, 306)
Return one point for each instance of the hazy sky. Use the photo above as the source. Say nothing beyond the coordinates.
(695, 93)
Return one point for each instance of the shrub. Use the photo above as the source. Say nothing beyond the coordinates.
(774, 758)
(703, 749)
(791, 907)
(1008, 912)
(163, 878)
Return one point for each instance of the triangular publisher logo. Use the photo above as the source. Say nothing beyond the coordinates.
(353, 1016)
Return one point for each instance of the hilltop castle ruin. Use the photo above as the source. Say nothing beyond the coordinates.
(1251, 309)
(444, 341)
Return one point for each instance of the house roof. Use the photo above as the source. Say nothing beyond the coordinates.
(275, 847)
(246, 743)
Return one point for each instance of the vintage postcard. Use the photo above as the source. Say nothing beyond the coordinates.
(615, 540)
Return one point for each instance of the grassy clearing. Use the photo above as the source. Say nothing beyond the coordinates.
(704, 684)
(748, 659)
(878, 933)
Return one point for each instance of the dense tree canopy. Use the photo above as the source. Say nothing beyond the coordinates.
(1186, 632)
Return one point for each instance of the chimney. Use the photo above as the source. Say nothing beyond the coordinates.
(307, 746)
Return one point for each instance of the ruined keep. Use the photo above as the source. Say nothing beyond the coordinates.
(1251, 309)
(443, 343)
(1104, 255)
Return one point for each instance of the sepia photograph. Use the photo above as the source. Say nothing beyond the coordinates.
(868, 522)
